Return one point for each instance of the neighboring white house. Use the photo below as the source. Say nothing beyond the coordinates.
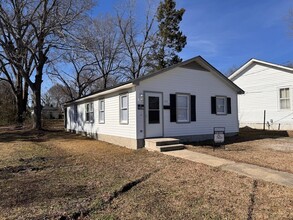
(185, 101)
(268, 95)
(50, 112)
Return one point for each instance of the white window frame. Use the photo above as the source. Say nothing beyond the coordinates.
(287, 98)
(101, 110)
(89, 110)
(225, 105)
(124, 108)
(187, 108)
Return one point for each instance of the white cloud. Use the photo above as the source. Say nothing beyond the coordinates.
(202, 46)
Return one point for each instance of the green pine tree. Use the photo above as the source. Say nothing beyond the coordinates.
(169, 40)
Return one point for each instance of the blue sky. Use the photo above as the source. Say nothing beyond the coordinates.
(227, 33)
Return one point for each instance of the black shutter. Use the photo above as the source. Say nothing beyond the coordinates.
(228, 105)
(213, 105)
(172, 108)
(192, 108)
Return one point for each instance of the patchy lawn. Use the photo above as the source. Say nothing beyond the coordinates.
(272, 149)
(56, 175)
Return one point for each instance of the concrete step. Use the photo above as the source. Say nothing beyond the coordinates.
(171, 147)
(154, 142)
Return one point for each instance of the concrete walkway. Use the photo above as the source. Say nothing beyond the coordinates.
(253, 171)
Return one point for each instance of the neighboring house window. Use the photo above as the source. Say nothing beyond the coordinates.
(124, 109)
(182, 108)
(89, 112)
(221, 105)
(285, 98)
(102, 112)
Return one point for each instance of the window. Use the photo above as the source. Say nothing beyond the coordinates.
(182, 108)
(124, 109)
(221, 105)
(102, 112)
(89, 112)
(285, 98)
(154, 110)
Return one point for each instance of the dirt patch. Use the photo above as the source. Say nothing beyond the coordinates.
(17, 169)
(268, 152)
(7, 172)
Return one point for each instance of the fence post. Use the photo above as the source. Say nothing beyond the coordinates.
(264, 120)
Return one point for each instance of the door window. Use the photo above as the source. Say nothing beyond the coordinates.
(154, 110)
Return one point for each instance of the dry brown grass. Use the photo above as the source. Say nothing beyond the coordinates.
(48, 175)
(263, 148)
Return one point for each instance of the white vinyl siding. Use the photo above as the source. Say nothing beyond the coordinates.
(89, 112)
(203, 85)
(124, 109)
(221, 105)
(285, 98)
(75, 113)
(262, 85)
(182, 107)
(102, 111)
(112, 125)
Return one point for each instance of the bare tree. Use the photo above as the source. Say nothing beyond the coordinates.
(10, 74)
(7, 103)
(44, 25)
(55, 96)
(15, 59)
(102, 42)
(137, 40)
(78, 80)
(94, 60)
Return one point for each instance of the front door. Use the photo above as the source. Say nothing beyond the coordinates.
(153, 114)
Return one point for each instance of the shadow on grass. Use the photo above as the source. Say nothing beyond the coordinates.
(37, 136)
(248, 134)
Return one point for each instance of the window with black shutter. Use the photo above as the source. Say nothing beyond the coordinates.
(182, 108)
(220, 105)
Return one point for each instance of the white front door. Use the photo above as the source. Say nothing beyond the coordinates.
(153, 114)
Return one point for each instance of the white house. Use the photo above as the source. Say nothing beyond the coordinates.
(185, 101)
(268, 95)
(50, 112)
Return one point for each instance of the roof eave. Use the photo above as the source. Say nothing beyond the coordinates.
(251, 61)
(102, 93)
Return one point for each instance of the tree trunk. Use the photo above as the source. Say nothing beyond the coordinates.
(105, 81)
(21, 102)
(20, 110)
(25, 96)
(37, 115)
(19, 99)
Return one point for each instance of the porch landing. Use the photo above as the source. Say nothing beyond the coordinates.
(163, 144)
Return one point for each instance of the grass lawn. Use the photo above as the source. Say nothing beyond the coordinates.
(272, 149)
(56, 175)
